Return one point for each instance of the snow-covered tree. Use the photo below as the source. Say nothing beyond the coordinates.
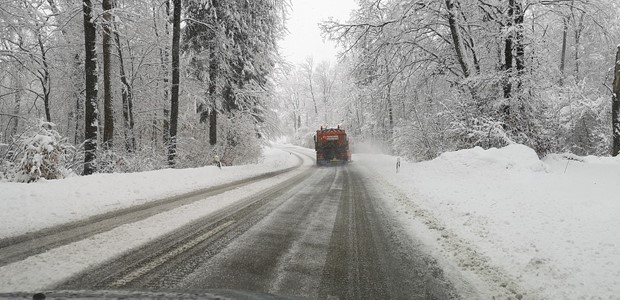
(40, 152)
(443, 75)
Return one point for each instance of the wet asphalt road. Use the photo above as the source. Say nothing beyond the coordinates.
(322, 234)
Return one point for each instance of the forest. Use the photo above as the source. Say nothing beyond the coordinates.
(101, 86)
(419, 78)
(98, 86)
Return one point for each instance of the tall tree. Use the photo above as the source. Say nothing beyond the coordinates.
(165, 70)
(127, 99)
(212, 90)
(108, 107)
(174, 91)
(90, 67)
(563, 51)
(231, 46)
(456, 37)
(615, 107)
(309, 70)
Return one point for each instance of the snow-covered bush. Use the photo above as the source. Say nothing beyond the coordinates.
(417, 142)
(40, 154)
(484, 132)
(145, 159)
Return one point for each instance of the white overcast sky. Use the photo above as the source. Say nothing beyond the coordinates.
(304, 37)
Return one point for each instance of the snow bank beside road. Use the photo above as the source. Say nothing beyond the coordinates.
(30, 207)
(517, 225)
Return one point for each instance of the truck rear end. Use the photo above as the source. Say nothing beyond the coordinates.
(332, 146)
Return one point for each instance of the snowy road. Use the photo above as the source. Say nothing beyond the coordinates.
(471, 217)
(22, 246)
(319, 234)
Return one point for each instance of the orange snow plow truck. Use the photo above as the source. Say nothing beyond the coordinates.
(332, 146)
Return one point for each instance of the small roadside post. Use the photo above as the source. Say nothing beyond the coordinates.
(218, 163)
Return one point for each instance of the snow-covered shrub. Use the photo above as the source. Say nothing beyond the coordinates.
(41, 154)
(107, 161)
(416, 142)
(579, 120)
(484, 132)
(145, 159)
(584, 126)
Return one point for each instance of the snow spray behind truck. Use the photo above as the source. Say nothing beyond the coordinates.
(332, 146)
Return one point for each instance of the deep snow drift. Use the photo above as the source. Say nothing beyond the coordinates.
(518, 226)
(29, 207)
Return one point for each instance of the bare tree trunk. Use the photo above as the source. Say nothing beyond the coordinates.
(90, 68)
(166, 125)
(615, 107)
(108, 108)
(213, 66)
(213, 127)
(518, 41)
(390, 109)
(508, 59)
(472, 45)
(174, 97)
(79, 134)
(578, 31)
(456, 39)
(127, 100)
(45, 80)
(309, 74)
(17, 102)
(563, 54)
(163, 54)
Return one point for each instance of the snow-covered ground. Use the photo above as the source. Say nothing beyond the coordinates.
(513, 225)
(510, 224)
(30, 207)
(46, 269)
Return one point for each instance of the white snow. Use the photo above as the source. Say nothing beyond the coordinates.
(501, 222)
(30, 207)
(511, 224)
(41, 271)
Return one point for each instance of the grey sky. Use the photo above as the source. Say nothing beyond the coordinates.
(304, 38)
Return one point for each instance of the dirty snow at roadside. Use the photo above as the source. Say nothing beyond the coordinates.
(514, 225)
(29, 207)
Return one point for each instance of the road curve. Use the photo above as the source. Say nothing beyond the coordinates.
(20, 247)
(321, 234)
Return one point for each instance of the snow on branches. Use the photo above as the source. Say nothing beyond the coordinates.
(38, 153)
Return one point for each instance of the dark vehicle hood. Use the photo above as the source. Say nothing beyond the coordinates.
(139, 295)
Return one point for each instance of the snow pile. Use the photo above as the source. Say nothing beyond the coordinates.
(515, 156)
(515, 225)
(29, 207)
